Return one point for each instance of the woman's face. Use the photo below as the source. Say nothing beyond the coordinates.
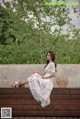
(49, 56)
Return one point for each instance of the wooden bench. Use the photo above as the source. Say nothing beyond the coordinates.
(64, 102)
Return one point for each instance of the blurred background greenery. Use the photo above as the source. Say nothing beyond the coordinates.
(26, 33)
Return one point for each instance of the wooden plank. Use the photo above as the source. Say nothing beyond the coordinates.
(65, 97)
(32, 113)
(53, 97)
(18, 101)
(64, 117)
(33, 101)
(64, 102)
(70, 117)
(56, 91)
(46, 113)
(45, 117)
(59, 118)
(26, 117)
(48, 117)
(16, 117)
(48, 108)
(75, 118)
(37, 117)
(55, 118)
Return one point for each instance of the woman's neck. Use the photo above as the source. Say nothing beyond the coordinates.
(50, 61)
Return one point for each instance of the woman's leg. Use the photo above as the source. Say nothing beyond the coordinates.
(24, 82)
(27, 80)
(20, 83)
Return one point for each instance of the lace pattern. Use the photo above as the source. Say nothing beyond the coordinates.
(41, 88)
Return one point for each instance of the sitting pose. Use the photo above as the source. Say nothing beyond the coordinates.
(41, 85)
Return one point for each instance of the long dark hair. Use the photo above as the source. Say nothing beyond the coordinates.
(53, 59)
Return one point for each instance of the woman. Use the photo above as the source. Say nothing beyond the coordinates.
(41, 85)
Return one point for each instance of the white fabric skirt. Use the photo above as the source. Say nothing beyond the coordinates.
(40, 88)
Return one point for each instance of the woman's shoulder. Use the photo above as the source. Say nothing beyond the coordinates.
(51, 63)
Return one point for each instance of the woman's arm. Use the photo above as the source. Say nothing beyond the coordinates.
(42, 74)
(50, 76)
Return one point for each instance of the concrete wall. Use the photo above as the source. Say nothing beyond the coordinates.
(16, 72)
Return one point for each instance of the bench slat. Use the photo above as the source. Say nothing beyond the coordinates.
(46, 113)
(32, 101)
(64, 102)
(27, 91)
(53, 97)
(49, 108)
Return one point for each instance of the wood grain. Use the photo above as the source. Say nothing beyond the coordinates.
(64, 102)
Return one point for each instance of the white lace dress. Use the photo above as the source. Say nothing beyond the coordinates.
(41, 88)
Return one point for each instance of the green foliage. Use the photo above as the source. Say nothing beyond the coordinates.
(21, 42)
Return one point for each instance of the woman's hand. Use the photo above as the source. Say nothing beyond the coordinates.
(43, 77)
(35, 72)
